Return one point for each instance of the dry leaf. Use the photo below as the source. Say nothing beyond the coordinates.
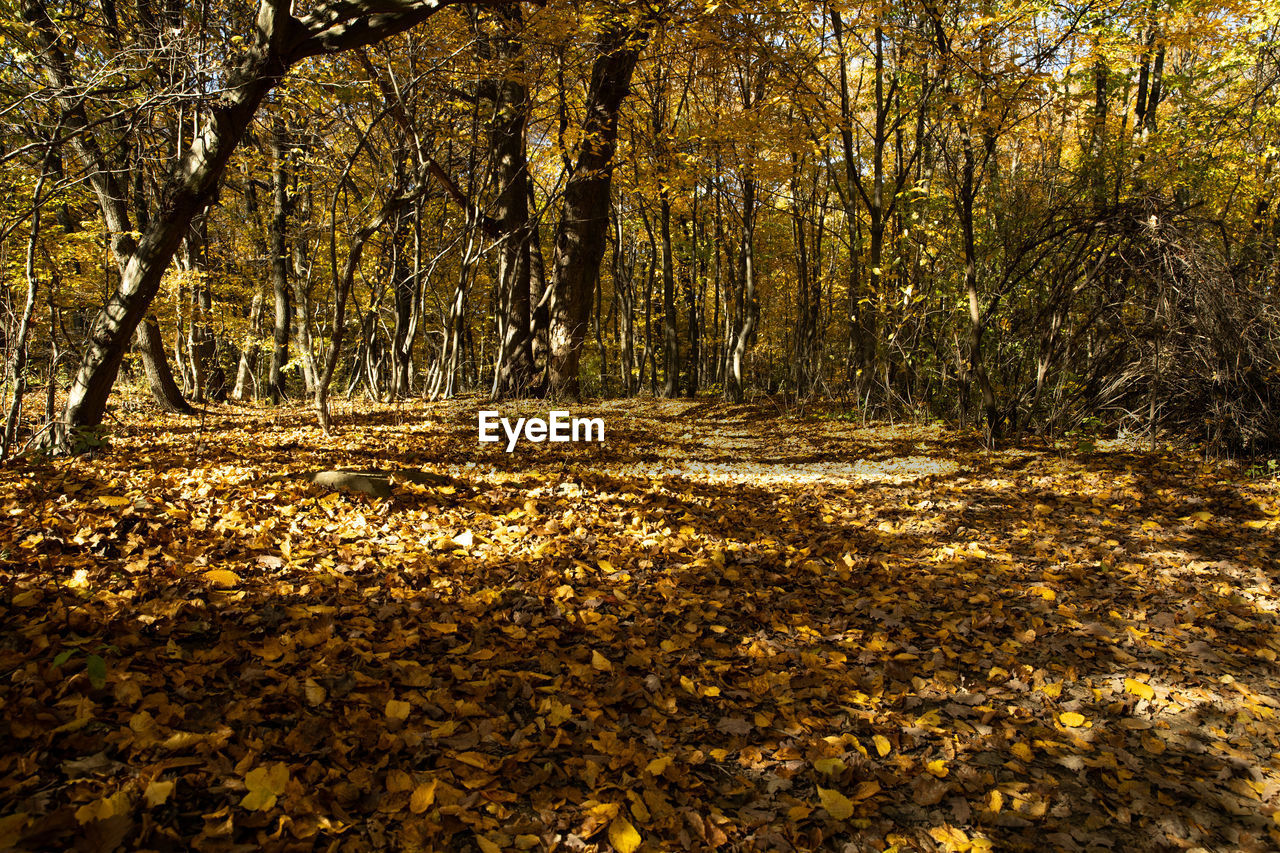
(623, 836)
(837, 804)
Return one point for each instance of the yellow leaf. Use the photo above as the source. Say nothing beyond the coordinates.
(398, 710)
(882, 744)
(158, 792)
(1138, 688)
(1071, 719)
(222, 577)
(1053, 691)
(443, 627)
(113, 500)
(527, 842)
(557, 713)
(464, 539)
(315, 693)
(829, 766)
(423, 796)
(950, 838)
(937, 767)
(600, 662)
(837, 804)
(487, 846)
(265, 784)
(995, 801)
(658, 766)
(869, 788)
(1022, 750)
(105, 808)
(623, 836)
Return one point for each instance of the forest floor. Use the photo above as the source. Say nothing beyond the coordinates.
(726, 628)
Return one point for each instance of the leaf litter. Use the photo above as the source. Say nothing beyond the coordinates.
(687, 637)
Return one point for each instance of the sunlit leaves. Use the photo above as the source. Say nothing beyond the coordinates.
(1071, 719)
(222, 578)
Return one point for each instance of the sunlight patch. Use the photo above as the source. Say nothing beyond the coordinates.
(906, 469)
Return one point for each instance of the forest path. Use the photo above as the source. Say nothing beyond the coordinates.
(714, 442)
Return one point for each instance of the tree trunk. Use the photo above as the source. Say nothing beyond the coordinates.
(695, 296)
(18, 366)
(511, 178)
(977, 363)
(580, 236)
(164, 389)
(749, 309)
(276, 383)
(244, 388)
(670, 343)
(408, 310)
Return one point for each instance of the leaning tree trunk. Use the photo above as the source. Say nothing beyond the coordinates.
(580, 237)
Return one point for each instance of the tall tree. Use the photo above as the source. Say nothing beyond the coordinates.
(584, 218)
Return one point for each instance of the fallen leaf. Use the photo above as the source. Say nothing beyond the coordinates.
(658, 766)
(222, 578)
(1138, 688)
(837, 804)
(623, 836)
(265, 784)
(423, 796)
(157, 792)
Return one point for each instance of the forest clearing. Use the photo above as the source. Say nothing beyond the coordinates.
(726, 627)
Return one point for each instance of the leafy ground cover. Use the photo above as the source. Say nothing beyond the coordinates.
(722, 629)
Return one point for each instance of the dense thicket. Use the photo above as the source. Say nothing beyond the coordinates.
(1024, 215)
